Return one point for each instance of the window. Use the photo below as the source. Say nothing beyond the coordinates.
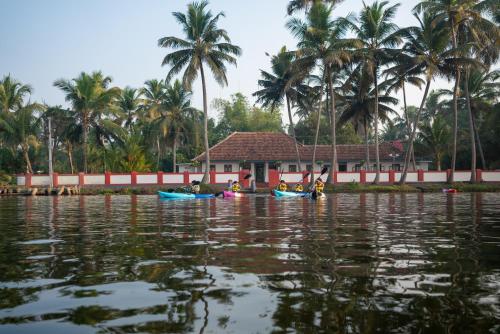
(212, 168)
(375, 167)
(309, 168)
(292, 168)
(357, 168)
(342, 167)
(396, 167)
(228, 168)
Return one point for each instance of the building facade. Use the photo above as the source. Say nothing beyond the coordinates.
(261, 151)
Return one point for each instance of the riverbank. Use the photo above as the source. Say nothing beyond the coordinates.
(210, 189)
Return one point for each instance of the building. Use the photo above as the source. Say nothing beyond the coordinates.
(261, 151)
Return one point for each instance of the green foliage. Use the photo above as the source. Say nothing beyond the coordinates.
(237, 114)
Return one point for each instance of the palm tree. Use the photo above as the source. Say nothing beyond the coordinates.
(456, 14)
(178, 114)
(298, 5)
(427, 44)
(435, 135)
(21, 130)
(281, 85)
(357, 102)
(89, 96)
(321, 43)
(129, 102)
(377, 34)
(12, 94)
(205, 43)
(151, 109)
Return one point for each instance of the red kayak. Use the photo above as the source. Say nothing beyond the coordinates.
(450, 191)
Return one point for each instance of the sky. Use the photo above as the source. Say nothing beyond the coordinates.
(43, 41)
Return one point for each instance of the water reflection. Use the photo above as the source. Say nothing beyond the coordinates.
(352, 263)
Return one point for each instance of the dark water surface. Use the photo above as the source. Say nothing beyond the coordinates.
(402, 263)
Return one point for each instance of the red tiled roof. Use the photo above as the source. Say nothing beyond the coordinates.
(270, 146)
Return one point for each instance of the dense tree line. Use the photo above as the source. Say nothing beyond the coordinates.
(338, 86)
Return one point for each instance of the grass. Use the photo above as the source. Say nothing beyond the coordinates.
(435, 187)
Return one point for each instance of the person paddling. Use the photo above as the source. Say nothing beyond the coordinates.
(195, 187)
(282, 186)
(235, 187)
(319, 186)
(298, 188)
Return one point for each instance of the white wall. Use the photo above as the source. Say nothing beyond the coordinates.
(347, 177)
(93, 179)
(68, 180)
(491, 176)
(223, 178)
(435, 177)
(173, 178)
(20, 180)
(147, 179)
(40, 180)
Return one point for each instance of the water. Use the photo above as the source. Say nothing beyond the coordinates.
(418, 263)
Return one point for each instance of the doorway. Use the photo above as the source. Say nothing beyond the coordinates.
(259, 172)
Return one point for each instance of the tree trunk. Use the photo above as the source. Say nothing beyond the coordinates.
(174, 154)
(413, 133)
(377, 153)
(408, 127)
(455, 108)
(471, 130)
(85, 139)
(438, 161)
(25, 148)
(158, 151)
(479, 146)
(317, 131)
(206, 176)
(333, 126)
(70, 157)
(367, 144)
(292, 127)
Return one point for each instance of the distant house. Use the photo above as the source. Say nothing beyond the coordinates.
(261, 151)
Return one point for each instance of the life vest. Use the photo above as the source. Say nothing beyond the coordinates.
(299, 188)
(195, 189)
(235, 187)
(282, 187)
(319, 186)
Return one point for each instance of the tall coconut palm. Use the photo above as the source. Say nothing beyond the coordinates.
(21, 129)
(12, 94)
(435, 134)
(281, 85)
(298, 5)
(89, 95)
(427, 46)
(178, 114)
(457, 13)
(322, 43)
(375, 31)
(129, 102)
(204, 43)
(357, 103)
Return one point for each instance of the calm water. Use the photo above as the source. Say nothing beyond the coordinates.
(351, 264)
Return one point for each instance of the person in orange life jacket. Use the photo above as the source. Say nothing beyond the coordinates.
(319, 186)
(298, 188)
(282, 186)
(236, 187)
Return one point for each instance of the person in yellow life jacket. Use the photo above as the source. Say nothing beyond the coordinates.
(195, 187)
(298, 188)
(236, 187)
(282, 186)
(319, 185)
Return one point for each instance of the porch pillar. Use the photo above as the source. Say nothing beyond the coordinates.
(266, 172)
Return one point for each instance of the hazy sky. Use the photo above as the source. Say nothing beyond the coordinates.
(46, 40)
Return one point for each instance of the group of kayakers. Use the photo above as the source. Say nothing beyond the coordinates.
(235, 186)
(319, 186)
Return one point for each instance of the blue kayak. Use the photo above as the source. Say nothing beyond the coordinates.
(278, 193)
(172, 195)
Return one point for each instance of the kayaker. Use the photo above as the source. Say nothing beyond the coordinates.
(298, 188)
(282, 186)
(236, 187)
(319, 186)
(195, 187)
